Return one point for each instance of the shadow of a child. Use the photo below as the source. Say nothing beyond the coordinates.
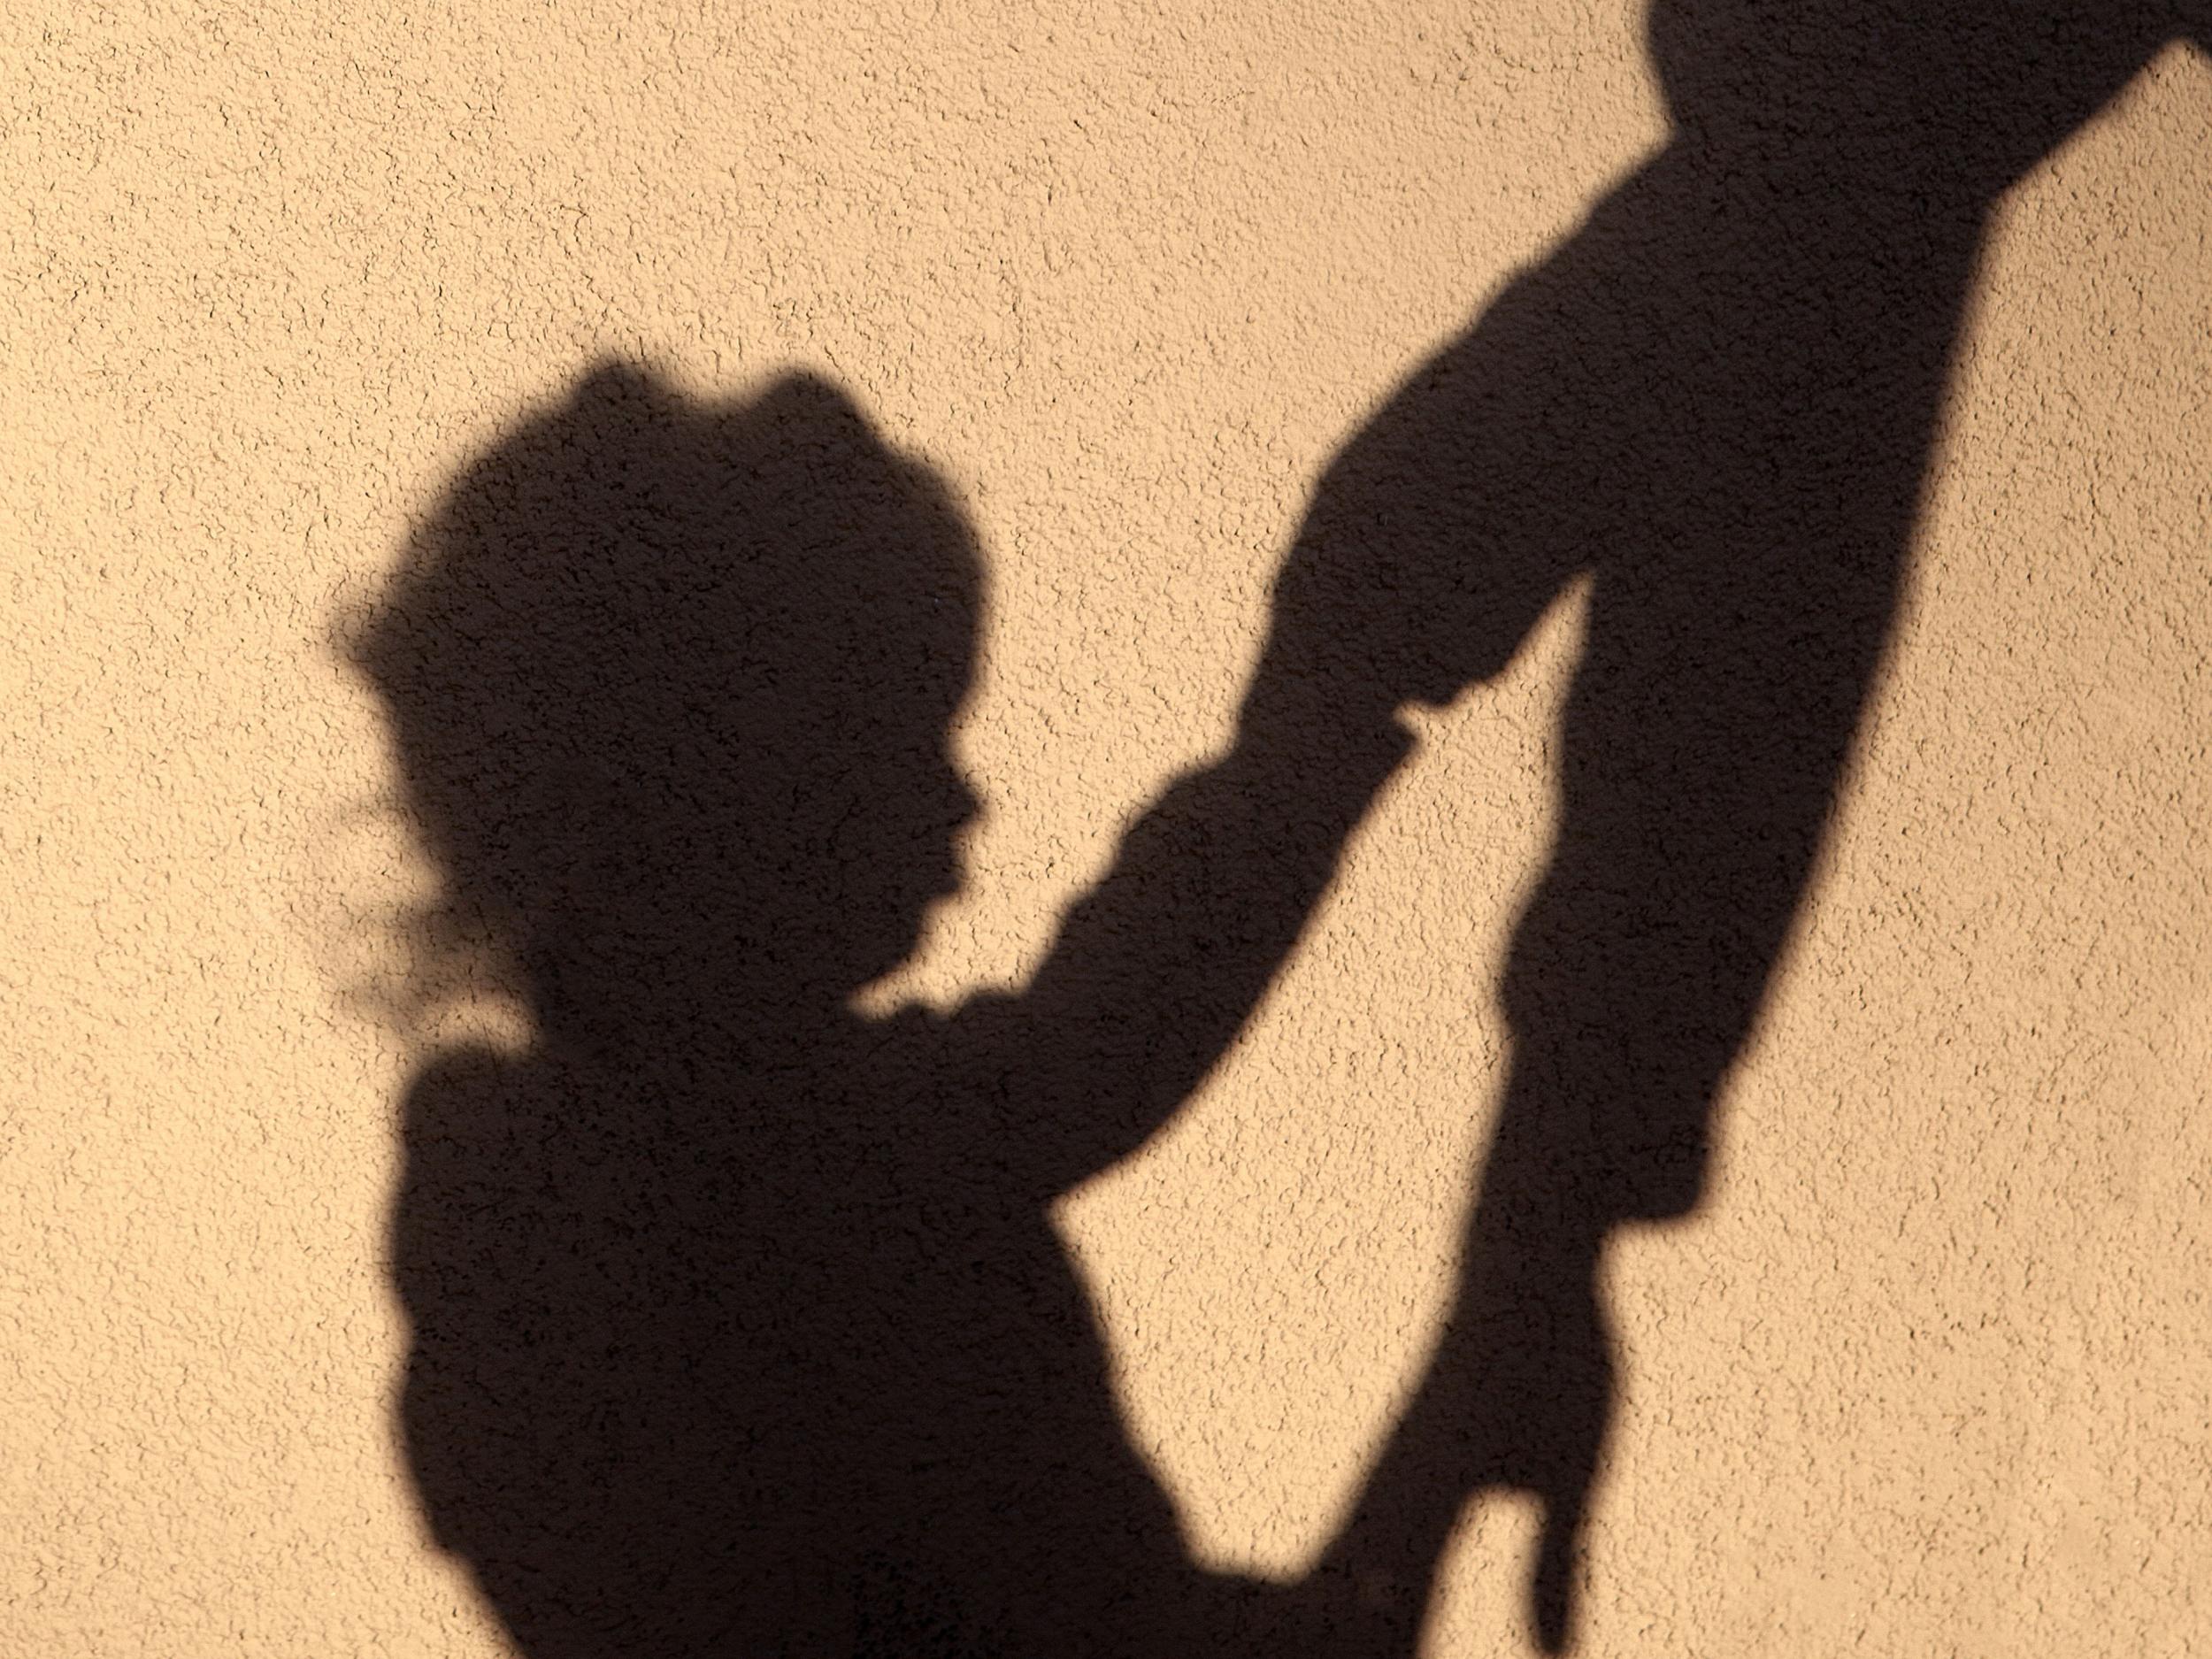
(738, 1325)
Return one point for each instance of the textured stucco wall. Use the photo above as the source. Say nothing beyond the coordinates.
(1925, 1372)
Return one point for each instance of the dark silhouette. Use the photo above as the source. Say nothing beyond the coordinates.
(1717, 400)
(738, 1326)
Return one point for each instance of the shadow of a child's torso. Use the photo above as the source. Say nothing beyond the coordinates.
(712, 1357)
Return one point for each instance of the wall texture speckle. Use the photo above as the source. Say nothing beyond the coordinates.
(1922, 1372)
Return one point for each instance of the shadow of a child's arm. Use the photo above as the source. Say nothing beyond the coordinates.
(1394, 593)
(1155, 971)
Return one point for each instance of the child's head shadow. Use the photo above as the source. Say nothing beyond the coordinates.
(670, 685)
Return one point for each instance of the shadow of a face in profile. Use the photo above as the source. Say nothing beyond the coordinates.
(738, 1323)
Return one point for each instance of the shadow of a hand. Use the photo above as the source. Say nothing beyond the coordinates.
(1518, 1397)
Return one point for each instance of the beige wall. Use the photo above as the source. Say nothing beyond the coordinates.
(1925, 1374)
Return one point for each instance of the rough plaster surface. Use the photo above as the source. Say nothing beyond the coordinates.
(1925, 1372)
